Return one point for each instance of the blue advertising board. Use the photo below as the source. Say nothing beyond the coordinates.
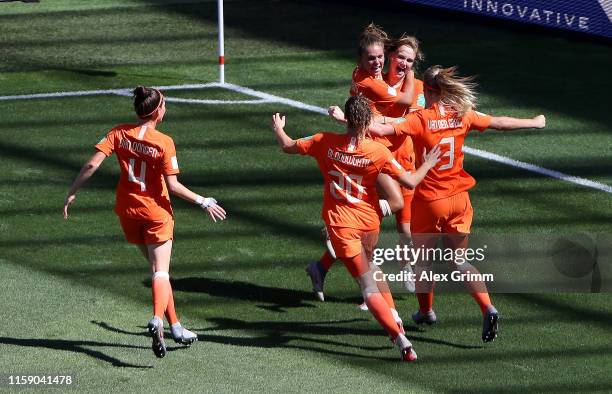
(586, 16)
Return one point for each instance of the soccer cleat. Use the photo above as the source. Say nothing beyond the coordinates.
(156, 329)
(363, 307)
(408, 354)
(317, 277)
(182, 335)
(490, 325)
(428, 318)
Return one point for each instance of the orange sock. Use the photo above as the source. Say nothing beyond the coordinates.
(326, 261)
(379, 308)
(170, 311)
(425, 301)
(483, 300)
(388, 298)
(161, 289)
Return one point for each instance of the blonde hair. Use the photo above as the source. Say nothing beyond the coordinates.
(410, 41)
(371, 35)
(455, 91)
(358, 115)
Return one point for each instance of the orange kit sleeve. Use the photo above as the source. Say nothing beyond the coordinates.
(478, 120)
(308, 145)
(107, 144)
(169, 162)
(413, 125)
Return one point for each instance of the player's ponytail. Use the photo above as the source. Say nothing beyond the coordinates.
(455, 91)
(358, 115)
(146, 101)
(371, 35)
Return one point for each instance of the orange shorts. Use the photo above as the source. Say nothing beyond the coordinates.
(147, 231)
(404, 215)
(447, 215)
(350, 242)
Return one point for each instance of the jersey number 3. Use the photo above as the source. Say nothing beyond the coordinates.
(140, 179)
(450, 141)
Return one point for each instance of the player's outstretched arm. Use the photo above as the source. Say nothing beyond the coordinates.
(381, 129)
(287, 144)
(429, 161)
(336, 113)
(209, 204)
(86, 172)
(508, 123)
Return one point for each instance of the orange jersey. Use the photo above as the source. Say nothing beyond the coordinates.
(418, 101)
(349, 173)
(440, 126)
(402, 147)
(145, 155)
(380, 94)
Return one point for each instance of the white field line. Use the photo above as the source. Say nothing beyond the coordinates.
(214, 102)
(540, 170)
(466, 149)
(270, 98)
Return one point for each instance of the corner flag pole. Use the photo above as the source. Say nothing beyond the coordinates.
(221, 44)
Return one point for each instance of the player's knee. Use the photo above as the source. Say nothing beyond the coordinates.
(164, 275)
(368, 285)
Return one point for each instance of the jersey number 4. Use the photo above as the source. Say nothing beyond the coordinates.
(341, 190)
(141, 178)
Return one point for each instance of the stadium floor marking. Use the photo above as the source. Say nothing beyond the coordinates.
(266, 98)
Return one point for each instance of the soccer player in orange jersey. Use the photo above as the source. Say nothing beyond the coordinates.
(403, 54)
(441, 202)
(350, 164)
(149, 168)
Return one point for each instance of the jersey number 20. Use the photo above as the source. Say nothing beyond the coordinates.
(345, 184)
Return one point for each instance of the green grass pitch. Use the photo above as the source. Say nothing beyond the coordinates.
(76, 296)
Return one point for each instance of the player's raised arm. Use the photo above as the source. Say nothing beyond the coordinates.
(287, 144)
(88, 169)
(429, 161)
(508, 123)
(209, 204)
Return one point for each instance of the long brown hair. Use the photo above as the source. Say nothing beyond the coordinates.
(358, 115)
(455, 91)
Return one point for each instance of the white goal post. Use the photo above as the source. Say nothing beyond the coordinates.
(221, 43)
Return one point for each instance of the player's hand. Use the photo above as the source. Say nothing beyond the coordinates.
(69, 200)
(278, 121)
(540, 121)
(216, 212)
(335, 112)
(431, 159)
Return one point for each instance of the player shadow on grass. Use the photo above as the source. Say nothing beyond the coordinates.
(272, 334)
(273, 298)
(77, 347)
